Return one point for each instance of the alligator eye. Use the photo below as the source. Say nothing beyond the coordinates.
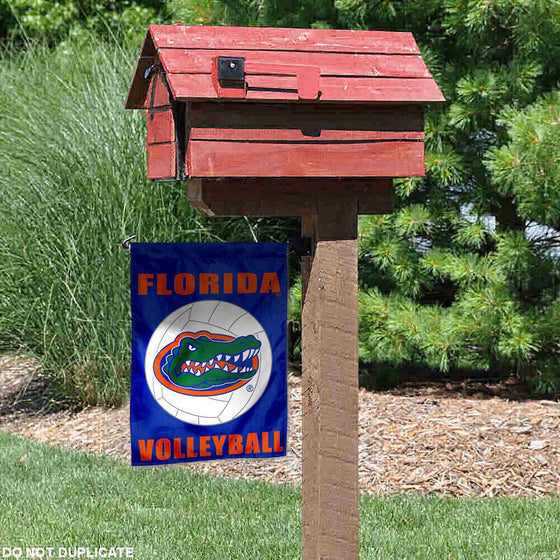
(192, 348)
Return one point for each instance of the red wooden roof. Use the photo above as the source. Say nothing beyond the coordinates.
(355, 66)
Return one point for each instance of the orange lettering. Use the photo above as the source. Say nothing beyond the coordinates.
(228, 283)
(209, 283)
(235, 444)
(144, 282)
(177, 453)
(246, 283)
(265, 447)
(270, 283)
(190, 448)
(204, 446)
(219, 444)
(277, 446)
(162, 285)
(146, 449)
(252, 443)
(163, 449)
(184, 284)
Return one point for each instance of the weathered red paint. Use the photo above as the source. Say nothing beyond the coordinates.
(337, 89)
(158, 93)
(160, 127)
(182, 61)
(279, 39)
(161, 161)
(315, 103)
(268, 159)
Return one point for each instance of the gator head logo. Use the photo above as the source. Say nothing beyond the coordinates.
(205, 364)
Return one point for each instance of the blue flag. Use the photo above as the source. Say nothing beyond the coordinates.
(208, 351)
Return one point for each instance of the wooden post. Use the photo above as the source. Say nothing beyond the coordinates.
(330, 382)
(329, 210)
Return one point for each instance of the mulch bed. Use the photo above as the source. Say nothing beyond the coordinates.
(444, 438)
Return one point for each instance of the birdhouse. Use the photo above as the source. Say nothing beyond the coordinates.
(246, 103)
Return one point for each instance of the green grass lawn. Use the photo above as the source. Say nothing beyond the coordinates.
(50, 497)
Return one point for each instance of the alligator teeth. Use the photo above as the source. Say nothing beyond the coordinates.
(210, 363)
(235, 370)
(217, 367)
(235, 358)
(188, 362)
(245, 354)
(219, 357)
(191, 370)
(227, 358)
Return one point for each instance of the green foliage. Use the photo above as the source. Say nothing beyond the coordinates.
(288, 13)
(465, 274)
(53, 21)
(294, 301)
(528, 166)
(73, 185)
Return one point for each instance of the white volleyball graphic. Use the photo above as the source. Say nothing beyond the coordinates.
(217, 320)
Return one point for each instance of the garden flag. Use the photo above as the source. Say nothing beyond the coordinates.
(208, 351)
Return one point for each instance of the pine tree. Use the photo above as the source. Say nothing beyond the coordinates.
(465, 273)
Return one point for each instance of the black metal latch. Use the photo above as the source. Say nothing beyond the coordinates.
(231, 71)
(229, 77)
(300, 246)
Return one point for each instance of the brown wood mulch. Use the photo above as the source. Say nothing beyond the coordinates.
(436, 438)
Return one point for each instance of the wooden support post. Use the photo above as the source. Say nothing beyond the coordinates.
(329, 210)
(330, 383)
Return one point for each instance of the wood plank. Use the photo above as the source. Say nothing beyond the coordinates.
(347, 89)
(377, 201)
(330, 312)
(180, 61)
(158, 94)
(161, 161)
(291, 135)
(139, 87)
(311, 119)
(160, 127)
(285, 197)
(374, 159)
(263, 38)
